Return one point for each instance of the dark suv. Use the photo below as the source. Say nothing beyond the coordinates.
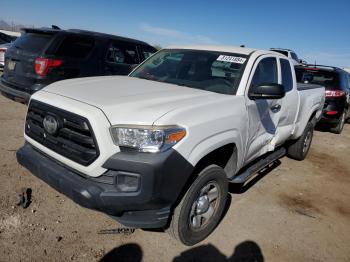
(337, 84)
(43, 56)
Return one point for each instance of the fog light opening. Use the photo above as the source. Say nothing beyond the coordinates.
(128, 182)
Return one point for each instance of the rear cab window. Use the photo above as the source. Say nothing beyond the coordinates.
(287, 77)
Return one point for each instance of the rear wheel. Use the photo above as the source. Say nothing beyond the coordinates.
(300, 147)
(201, 208)
(339, 128)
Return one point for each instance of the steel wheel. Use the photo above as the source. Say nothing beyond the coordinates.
(307, 141)
(204, 206)
(201, 208)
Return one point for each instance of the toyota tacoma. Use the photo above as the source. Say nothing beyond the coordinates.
(158, 148)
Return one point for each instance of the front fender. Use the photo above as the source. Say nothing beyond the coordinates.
(209, 144)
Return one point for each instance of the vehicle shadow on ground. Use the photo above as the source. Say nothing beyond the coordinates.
(247, 251)
(322, 128)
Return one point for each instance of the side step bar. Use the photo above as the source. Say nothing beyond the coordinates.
(256, 167)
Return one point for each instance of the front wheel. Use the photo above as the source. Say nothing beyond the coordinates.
(300, 147)
(201, 208)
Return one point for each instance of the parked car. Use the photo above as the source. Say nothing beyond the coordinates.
(290, 54)
(337, 84)
(160, 146)
(5, 42)
(43, 56)
(7, 37)
(3, 49)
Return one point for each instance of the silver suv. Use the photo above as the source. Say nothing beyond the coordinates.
(288, 53)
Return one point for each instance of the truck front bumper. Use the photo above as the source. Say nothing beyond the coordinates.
(161, 177)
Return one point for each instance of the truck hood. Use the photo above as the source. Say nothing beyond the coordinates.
(129, 100)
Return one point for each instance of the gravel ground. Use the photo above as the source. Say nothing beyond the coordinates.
(297, 211)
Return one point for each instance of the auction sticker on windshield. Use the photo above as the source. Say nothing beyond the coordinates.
(231, 59)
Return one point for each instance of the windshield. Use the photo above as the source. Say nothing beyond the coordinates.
(213, 71)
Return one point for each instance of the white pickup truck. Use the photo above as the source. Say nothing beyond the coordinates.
(157, 148)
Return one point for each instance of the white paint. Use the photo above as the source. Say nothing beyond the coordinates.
(11, 33)
(211, 119)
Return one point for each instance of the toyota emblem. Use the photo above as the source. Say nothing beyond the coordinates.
(50, 124)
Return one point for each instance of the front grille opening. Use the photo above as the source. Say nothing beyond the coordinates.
(74, 138)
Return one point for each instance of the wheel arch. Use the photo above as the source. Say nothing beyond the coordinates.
(223, 149)
(313, 117)
(224, 156)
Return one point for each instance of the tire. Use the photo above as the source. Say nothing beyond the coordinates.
(339, 128)
(199, 212)
(300, 147)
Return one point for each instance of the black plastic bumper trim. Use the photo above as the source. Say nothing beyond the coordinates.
(163, 178)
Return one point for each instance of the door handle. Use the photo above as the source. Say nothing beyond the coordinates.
(275, 108)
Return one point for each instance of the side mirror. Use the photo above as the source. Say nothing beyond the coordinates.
(267, 91)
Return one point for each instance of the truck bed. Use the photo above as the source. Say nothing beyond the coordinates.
(311, 97)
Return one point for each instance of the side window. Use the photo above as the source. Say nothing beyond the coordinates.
(265, 72)
(345, 80)
(287, 78)
(75, 46)
(122, 54)
(148, 51)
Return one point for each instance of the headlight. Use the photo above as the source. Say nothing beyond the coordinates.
(147, 138)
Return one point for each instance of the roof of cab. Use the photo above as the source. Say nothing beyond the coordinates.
(281, 49)
(222, 48)
(219, 48)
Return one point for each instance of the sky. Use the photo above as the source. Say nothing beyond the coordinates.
(319, 31)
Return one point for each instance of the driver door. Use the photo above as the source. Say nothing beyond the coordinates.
(263, 114)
